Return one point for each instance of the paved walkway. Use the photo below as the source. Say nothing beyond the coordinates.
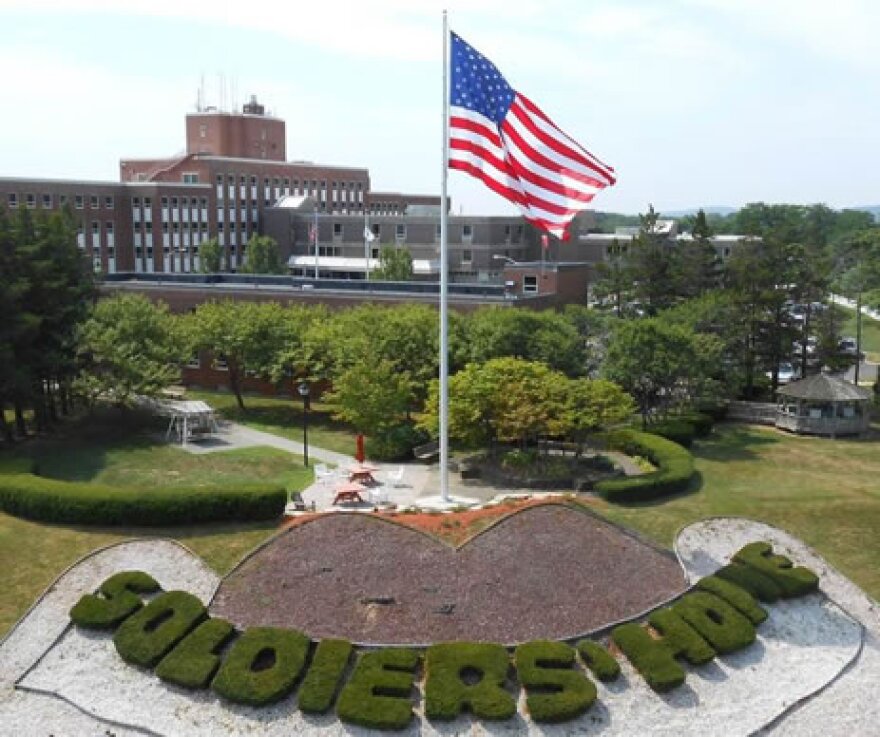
(419, 481)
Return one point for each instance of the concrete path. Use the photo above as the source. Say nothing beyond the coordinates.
(419, 481)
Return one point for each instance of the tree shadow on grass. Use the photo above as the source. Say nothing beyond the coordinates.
(734, 443)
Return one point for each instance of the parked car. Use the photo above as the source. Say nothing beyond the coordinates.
(787, 372)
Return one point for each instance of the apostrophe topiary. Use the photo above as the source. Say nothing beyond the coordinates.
(653, 659)
(470, 676)
(717, 621)
(379, 693)
(149, 634)
(119, 600)
(737, 597)
(555, 691)
(793, 581)
(751, 580)
(681, 637)
(601, 663)
(194, 661)
(262, 666)
(324, 676)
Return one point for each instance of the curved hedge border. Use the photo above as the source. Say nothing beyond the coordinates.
(70, 502)
(675, 467)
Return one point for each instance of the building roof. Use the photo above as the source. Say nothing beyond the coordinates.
(826, 388)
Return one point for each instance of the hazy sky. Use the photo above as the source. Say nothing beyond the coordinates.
(694, 102)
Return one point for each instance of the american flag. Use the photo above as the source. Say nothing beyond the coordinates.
(313, 233)
(500, 137)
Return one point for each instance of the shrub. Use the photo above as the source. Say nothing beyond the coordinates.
(395, 443)
(378, 694)
(546, 665)
(120, 600)
(324, 676)
(681, 637)
(262, 666)
(446, 692)
(601, 663)
(755, 582)
(194, 661)
(702, 423)
(716, 410)
(66, 502)
(654, 659)
(737, 597)
(792, 581)
(147, 636)
(723, 626)
(675, 467)
(677, 430)
(11, 465)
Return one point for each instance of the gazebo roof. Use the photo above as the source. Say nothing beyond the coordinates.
(823, 387)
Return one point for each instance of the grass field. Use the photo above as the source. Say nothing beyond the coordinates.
(283, 416)
(870, 334)
(827, 492)
(113, 451)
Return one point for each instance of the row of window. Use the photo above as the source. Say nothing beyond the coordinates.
(175, 202)
(47, 201)
(278, 182)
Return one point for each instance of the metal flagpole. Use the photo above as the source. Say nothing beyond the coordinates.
(444, 283)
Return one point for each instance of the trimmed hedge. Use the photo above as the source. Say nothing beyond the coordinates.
(379, 693)
(752, 581)
(555, 691)
(675, 467)
(653, 659)
(68, 502)
(678, 430)
(602, 664)
(719, 623)
(737, 597)
(447, 694)
(262, 666)
(681, 637)
(148, 635)
(324, 676)
(194, 661)
(792, 581)
(119, 602)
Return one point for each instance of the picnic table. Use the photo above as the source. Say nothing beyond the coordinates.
(350, 492)
(362, 473)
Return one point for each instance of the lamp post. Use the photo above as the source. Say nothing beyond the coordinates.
(304, 392)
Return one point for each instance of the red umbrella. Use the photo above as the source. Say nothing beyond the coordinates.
(359, 454)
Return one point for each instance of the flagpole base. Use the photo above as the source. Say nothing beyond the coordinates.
(437, 503)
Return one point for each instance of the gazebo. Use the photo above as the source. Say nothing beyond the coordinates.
(823, 405)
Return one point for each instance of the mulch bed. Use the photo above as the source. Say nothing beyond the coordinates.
(547, 571)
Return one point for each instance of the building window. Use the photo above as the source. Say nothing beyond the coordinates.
(78, 202)
(437, 232)
(148, 226)
(47, 202)
(184, 202)
(96, 227)
(93, 202)
(400, 231)
(108, 227)
(31, 201)
(62, 200)
(337, 230)
(164, 202)
(530, 284)
(12, 199)
(467, 231)
(190, 177)
(148, 203)
(174, 203)
(136, 202)
(467, 256)
(108, 202)
(375, 253)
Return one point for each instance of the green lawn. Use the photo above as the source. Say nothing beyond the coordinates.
(827, 492)
(870, 333)
(114, 449)
(283, 416)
